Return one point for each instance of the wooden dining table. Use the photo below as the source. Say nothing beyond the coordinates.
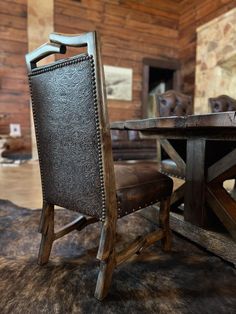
(206, 136)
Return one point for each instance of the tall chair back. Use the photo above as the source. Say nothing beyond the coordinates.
(72, 128)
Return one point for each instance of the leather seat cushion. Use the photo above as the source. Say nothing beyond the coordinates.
(169, 167)
(139, 185)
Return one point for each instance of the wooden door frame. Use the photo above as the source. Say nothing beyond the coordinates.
(172, 64)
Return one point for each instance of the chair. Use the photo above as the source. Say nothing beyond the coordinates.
(217, 104)
(75, 156)
(172, 153)
(173, 103)
(222, 103)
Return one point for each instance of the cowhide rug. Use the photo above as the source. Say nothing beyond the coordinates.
(187, 280)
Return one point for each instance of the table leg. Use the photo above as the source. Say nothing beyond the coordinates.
(194, 199)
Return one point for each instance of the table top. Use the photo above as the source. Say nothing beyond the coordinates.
(211, 120)
(215, 126)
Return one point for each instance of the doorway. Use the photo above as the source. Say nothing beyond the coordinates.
(158, 77)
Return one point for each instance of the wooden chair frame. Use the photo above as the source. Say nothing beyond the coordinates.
(107, 254)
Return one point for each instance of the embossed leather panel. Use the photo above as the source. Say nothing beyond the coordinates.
(67, 138)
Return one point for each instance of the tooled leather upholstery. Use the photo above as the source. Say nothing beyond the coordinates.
(173, 103)
(66, 131)
(222, 103)
(139, 185)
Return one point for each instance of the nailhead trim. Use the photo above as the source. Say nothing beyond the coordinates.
(98, 133)
(36, 133)
(172, 175)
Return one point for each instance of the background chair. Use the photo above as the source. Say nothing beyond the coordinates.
(172, 153)
(222, 103)
(217, 104)
(174, 103)
(75, 156)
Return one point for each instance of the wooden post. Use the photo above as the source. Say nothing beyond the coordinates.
(40, 23)
(194, 199)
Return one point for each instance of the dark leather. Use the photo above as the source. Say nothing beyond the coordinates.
(127, 145)
(173, 103)
(169, 167)
(222, 103)
(66, 132)
(139, 185)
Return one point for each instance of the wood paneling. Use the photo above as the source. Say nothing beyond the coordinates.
(194, 14)
(130, 31)
(40, 23)
(14, 99)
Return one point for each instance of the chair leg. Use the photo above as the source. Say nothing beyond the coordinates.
(164, 223)
(105, 277)
(107, 256)
(47, 230)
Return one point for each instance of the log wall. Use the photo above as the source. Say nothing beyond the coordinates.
(130, 31)
(14, 99)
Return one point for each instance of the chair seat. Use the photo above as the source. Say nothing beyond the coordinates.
(170, 168)
(139, 185)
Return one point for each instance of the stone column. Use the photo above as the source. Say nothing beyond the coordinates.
(216, 60)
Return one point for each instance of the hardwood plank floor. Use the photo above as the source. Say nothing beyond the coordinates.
(21, 184)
